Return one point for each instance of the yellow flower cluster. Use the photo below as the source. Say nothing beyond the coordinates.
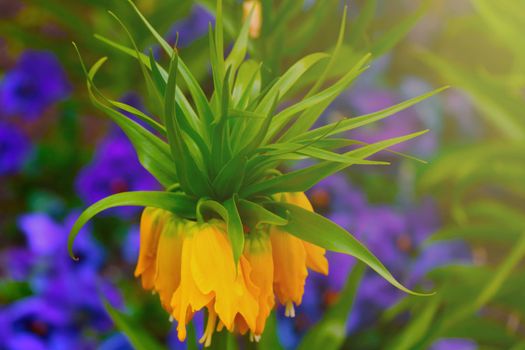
(191, 266)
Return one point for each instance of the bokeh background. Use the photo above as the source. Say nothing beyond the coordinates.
(455, 224)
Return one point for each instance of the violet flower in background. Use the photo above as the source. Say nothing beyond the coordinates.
(117, 341)
(191, 28)
(46, 240)
(35, 83)
(394, 236)
(66, 305)
(34, 323)
(14, 149)
(55, 275)
(454, 344)
(115, 168)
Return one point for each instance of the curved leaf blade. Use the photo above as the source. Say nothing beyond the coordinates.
(320, 231)
(179, 204)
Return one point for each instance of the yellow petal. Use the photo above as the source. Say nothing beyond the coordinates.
(151, 224)
(213, 270)
(315, 258)
(168, 268)
(299, 199)
(248, 305)
(289, 261)
(258, 252)
(315, 255)
(188, 298)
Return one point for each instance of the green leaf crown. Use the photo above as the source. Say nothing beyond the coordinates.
(220, 155)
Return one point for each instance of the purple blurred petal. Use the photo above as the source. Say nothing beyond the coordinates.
(33, 85)
(14, 149)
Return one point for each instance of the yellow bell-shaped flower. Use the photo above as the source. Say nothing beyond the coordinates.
(190, 265)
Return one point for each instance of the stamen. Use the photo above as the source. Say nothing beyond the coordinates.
(210, 328)
(220, 326)
(171, 319)
(254, 337)
(289, 311)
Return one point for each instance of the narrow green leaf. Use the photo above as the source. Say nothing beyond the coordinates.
(247, 85)
(393, 35)
(324, 98)
(256, 215)
(140, 115)
(135, 334)
(358, 28)
(335, 54)
(283, 85)
(330, 332)
(158, 78)
(192, 178)
(235, 229)
(257, 139)
(281, 149)
(501, 108)
(163, 43)
(207, 208)
(235, 168)
(303, 179)
(182, 101)
(152, 152)
(219, 39)
(179, 204)
(154, 94)
(270, 337)
(238, 52)
(353, 123)
(229, 213)
(417, 328)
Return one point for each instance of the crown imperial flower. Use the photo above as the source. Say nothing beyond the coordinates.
(191, 266)
(231, 232)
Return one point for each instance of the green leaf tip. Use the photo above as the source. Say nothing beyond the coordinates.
(177, 203)
(318, 230)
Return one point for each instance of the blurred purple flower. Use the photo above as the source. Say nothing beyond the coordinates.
(14, 149)
(72, 288)
(394, 236)
(81, 293)
(115, 168)
(47, 242)
(34, 323)
(117, 341)
(130, 248)
(454, 344)
(18, 263)
(35, 83)
(381, 228)
(134, 100)
(436, 255)
(191, 28)
(173, 341)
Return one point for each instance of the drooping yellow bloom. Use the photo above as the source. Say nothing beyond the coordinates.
(292, 257)
(254, 8)
(191, 266)
(258, 253)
